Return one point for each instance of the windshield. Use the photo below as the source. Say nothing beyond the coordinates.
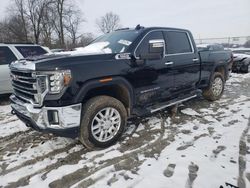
(29, 51)
(116, 42)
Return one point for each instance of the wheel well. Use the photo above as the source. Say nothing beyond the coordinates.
(221, 70)
(117, 91)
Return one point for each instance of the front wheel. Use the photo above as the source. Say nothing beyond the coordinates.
(216, 87)
(103, 121)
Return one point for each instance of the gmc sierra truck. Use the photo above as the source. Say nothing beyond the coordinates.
(91, 92)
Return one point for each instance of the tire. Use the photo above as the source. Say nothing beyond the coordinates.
(246, 69)
(216, 87)
(96, 121)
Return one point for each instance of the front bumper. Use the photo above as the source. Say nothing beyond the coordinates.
(68, 118)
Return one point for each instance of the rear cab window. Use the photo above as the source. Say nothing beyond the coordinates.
(177, 42)
(29, 51)
(6, 55)
(217, 48)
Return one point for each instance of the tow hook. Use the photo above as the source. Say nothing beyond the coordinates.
(13, 112)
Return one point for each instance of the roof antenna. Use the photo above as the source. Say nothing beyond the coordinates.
(138, 27)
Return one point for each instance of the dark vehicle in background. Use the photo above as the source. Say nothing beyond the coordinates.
(13, 52)
(241, 60)
(241, 51)
(210, 47)
(216, 50)
(90, 93)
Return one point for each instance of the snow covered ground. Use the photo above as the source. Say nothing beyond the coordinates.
(205, 146)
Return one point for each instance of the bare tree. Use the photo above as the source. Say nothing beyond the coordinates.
(30, 14)
(17, 12)
(47, 27)
(12, 30)
(4, 34)
(108, 23)
(58, 20)
(86, 39)
(35, 12)
(49, 22)
(73, 21)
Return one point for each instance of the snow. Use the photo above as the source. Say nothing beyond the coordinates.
(203, 45)
(92, 49)
(190, 112)
(98, 47)
(201, 147)
(9, 122)
(239, 55)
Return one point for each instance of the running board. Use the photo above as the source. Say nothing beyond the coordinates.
(172, 103)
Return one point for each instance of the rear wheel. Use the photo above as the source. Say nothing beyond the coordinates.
(216, 87)
(246, 68)
(103, 121)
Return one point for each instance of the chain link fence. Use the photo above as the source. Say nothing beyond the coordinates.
(231, 42)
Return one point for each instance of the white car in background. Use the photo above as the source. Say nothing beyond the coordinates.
(13, 52)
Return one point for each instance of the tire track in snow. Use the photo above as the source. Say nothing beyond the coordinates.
(29, 146)
(17, 136)
(72, 158)
(83, 173)
(130, 148)
(242, 157)
(37, 159)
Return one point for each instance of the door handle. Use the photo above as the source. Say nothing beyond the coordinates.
(169, 63)
(195, 59)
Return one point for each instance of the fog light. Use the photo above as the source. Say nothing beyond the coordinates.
(53, 117)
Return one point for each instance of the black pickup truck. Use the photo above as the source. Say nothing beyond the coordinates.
(91, 92)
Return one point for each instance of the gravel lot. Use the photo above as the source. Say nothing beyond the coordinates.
(204, 145)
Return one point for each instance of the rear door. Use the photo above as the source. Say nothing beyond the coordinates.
(185, 61)
(6, 57)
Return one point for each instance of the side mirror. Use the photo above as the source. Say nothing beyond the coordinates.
(155, 51)
(157, 46)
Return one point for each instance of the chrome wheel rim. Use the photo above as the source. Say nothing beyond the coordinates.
(106, 124)
(217, 86)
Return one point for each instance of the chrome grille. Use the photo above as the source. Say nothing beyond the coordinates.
(25, 86)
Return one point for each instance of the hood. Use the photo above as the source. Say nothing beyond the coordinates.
(52, 62)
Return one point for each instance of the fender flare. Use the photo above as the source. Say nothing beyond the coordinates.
(92, 84)
(217, 65)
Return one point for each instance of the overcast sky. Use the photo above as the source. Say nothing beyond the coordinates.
(205, 18)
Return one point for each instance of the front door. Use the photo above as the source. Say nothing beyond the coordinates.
(153, 79)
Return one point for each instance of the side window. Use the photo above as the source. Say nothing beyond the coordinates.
(143, 48)
(6, 56)
(177, 42)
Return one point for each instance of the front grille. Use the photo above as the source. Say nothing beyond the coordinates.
(25, 86)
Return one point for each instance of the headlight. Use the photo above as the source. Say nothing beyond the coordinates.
(58, 80)
(50, 82)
